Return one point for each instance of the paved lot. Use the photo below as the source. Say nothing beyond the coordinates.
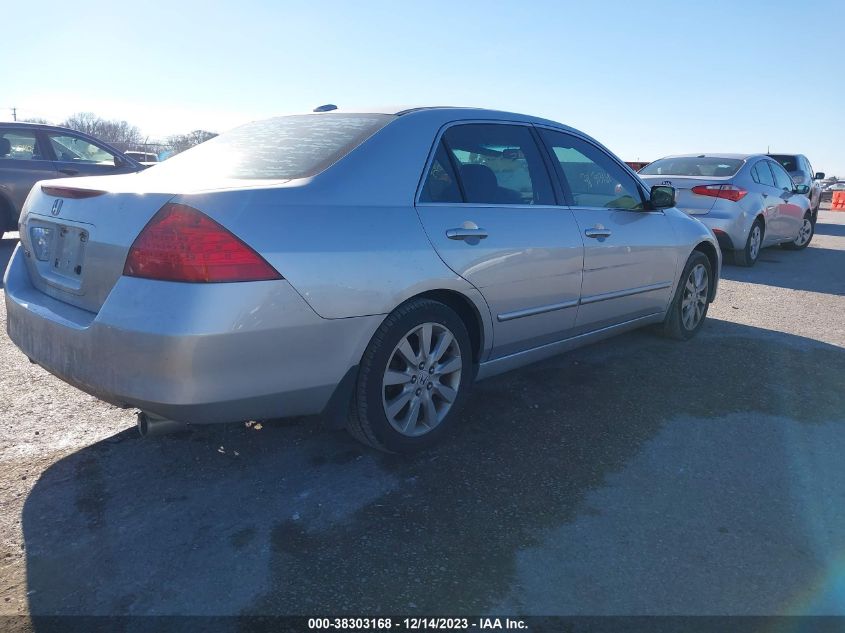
(635, 476)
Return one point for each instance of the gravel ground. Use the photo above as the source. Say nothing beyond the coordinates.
(635, 476)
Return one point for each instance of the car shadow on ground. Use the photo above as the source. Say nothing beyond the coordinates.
(837, 230)
(292, 518)
(814, 269)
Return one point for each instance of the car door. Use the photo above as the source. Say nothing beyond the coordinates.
(488, 207)
(764, 179)
(78, 156)
(790, 209)
(22, 164)
(630, 254)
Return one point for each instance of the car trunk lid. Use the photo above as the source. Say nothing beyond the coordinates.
(77, 233)
(686, 200)
(76, 237)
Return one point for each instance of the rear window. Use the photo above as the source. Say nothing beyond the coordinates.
(279, 148)
(790, 163)
(696, 166)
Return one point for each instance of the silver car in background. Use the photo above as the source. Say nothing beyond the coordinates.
(366, 266)
(801, 172)
(748, 200)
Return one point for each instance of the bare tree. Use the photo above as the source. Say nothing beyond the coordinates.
(117, 132)
(181, 142)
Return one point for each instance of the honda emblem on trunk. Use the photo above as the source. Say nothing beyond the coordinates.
(57, 206)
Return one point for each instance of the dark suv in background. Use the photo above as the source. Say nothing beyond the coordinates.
(31, 152)
(801, 172)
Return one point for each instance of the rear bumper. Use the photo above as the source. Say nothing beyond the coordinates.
(197, 353)
(730, 228)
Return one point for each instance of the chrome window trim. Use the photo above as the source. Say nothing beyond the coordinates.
(489, 205)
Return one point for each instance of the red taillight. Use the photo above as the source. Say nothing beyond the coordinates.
(70, 192)
(182, 244)
(728, 192)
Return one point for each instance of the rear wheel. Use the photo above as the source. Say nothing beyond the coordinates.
(412, 379)
(805, 234)
(753, 245)
(692, 299)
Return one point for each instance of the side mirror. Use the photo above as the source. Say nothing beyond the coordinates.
(819, 175)
(802, 189)
(661, 197)
(118, 162)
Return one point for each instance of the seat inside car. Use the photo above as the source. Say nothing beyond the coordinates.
(5, 147)
(481, 185)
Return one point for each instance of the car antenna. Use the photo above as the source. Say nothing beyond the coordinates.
(325, 108)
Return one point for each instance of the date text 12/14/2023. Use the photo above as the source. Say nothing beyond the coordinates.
(416, 623)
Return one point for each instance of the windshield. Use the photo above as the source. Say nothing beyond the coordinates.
(280, 148)
(693, 166)
(789, 163)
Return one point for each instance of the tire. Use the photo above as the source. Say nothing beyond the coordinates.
(692, 299)
(749, 255)
(805, 236)
(419, 396)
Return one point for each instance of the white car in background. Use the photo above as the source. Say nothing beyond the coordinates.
(147, 159)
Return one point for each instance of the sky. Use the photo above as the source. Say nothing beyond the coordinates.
(646, 78)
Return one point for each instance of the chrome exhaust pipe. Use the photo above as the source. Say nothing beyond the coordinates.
(150, 425)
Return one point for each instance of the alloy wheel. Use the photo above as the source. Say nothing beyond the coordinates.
(422, 379)
(694, 302)
(805, 233)
(755, 239)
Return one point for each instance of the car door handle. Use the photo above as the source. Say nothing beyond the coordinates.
(69, 172)
(597, 232)
(465, 234)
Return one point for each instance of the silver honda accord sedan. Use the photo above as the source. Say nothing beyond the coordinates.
(366, 266)
(748, 200)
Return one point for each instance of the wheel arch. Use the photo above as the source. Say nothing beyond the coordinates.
(762, 217)
(467, 311)
(710, 252)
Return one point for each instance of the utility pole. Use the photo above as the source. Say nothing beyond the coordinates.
(14, 114)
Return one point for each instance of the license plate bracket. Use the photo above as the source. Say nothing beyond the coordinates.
(68, 255)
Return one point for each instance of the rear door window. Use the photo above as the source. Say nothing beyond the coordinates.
(593, 178)
(762, 174)
(498, 164)
(19, 144)
(441, 185)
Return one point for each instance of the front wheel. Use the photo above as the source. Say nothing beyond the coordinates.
(692, 299)
(412, 379)
(805, 235)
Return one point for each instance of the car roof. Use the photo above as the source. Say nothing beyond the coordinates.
(42, 126)
(463, 112)
(717, 155)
